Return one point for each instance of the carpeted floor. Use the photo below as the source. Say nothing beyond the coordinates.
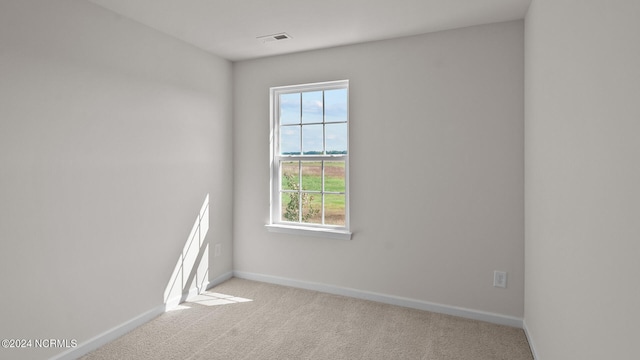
(242, 319)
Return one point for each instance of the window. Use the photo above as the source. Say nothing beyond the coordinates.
(310, 159)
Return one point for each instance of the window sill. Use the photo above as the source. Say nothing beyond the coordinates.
(307, 231)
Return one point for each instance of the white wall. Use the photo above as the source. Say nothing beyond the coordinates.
(111, 136)
(582, 177)
(436, 168)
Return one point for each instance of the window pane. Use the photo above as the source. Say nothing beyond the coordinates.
(336, 138)
(312, 208)
(312, 107)
(290, 175)
(312, 175)
(290, 108)
(312, 139)
(334, 178)
(290, 140)
(290, 206)
(334, 209)
(335, 105)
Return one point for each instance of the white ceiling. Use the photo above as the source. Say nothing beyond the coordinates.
(229, 28)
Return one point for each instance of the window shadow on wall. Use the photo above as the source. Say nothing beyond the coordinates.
(191, 273)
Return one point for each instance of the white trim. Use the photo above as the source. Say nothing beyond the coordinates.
(177, 300)
(310, 231)
(120, 330)
(387, 299)
(109, 335)
(275, 160)
(530, 340)
(173, 302)
(220, 279)
(326, 85)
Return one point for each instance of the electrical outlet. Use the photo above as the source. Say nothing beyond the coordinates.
(500, 279)
(217, 249)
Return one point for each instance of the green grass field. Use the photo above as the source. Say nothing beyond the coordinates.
(334, 181)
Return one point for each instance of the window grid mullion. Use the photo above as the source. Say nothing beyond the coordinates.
(324, 134)
(299, 191)
(316, 123)
(300, 124)
(322, 192)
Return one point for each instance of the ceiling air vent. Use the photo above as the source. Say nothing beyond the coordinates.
(274, 37)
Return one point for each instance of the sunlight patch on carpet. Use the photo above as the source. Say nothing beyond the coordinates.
(213, 299)
(178, 307)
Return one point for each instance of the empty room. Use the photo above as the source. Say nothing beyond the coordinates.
(354, 179)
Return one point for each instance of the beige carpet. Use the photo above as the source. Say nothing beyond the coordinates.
(243, 319)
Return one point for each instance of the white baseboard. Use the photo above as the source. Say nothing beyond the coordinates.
(220, 279)
(106, 337)
(109, 335)
(177, 300)
(387, 299)
(530, 340)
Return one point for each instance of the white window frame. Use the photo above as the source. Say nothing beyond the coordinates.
(276, 224)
